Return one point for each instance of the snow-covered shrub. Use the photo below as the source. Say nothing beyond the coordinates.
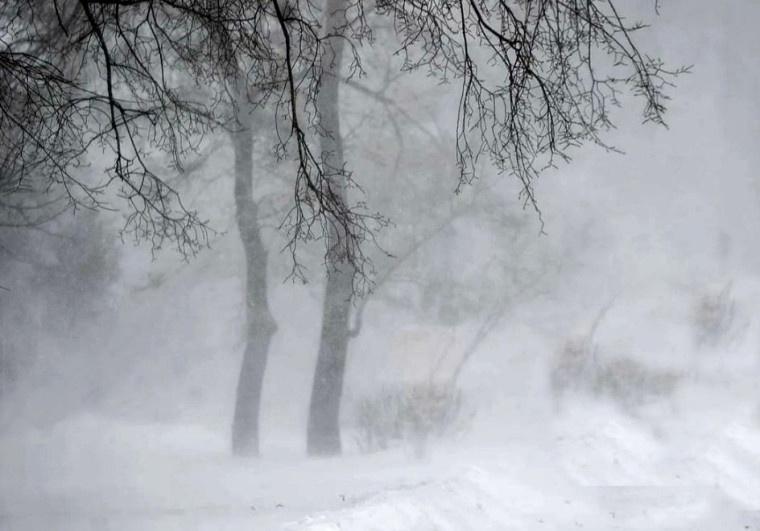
(713, 315)
(379, 420)
(627, 382)
(411, 413)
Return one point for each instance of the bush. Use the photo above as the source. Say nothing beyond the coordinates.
(713, 316)
(411, 414)
(629, 383)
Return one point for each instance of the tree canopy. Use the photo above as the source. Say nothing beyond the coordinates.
(133, 77)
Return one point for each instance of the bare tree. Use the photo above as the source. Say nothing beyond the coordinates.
(537, 79)
(259, 323)
(323, 434)
(76, 75)
(138, 76)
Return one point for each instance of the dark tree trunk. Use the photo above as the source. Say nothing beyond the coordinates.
(260, 326)
(323, 436)
(324, 411)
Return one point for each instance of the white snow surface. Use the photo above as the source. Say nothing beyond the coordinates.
(689, 463)
(591, 468)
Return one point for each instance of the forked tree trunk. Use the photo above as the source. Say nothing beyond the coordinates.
(260, 326)
(323, 434)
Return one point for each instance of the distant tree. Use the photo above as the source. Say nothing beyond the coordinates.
(59, 278)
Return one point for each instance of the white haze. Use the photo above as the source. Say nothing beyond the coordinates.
(121, 419)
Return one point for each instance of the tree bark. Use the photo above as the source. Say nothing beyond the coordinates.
(323, 434)
(259, 323)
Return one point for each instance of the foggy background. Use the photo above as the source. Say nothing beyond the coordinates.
(119, 365)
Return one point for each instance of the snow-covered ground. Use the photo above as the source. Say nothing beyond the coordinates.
(591, 468)
(158, 458)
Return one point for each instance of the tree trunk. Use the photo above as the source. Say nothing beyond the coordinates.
(323, 435)
(260, 326)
